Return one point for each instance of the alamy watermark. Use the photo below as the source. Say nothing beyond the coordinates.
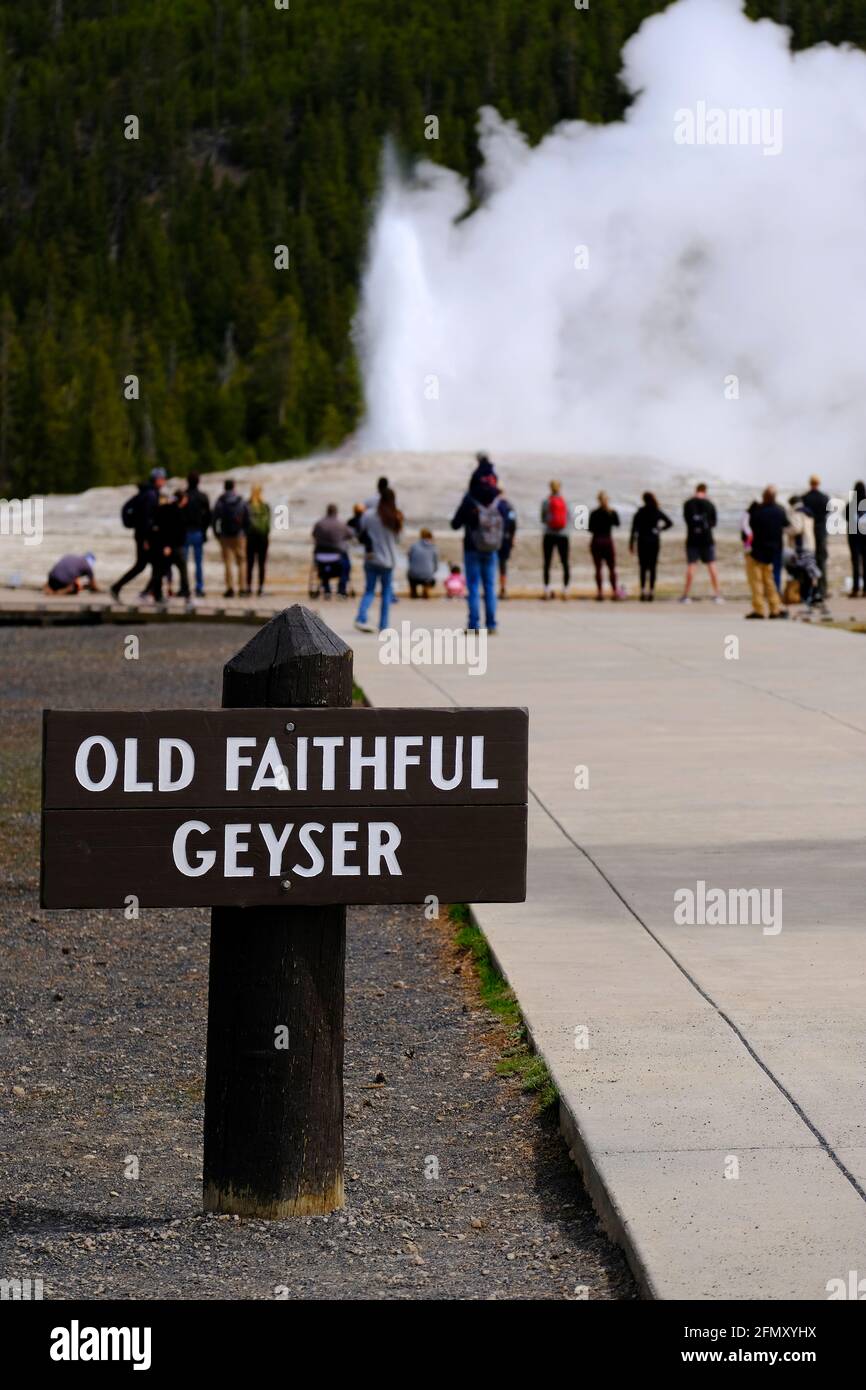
(738, 125)
(22, 517)
(846, 518)
(15, 1290)
(853, 1288)
(729, 907)
(438, 646)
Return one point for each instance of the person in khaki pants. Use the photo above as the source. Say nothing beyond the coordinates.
(231, 520)
(769, 521)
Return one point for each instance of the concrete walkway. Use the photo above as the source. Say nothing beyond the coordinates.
(717, 1109)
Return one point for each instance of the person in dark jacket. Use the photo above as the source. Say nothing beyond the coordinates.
(700, 517)
(601, 524)
(506, 547)
(855, 516)
(331, 540)
(146, 504)
(647, 525)
(768, 523)
(818, 503)
(483, 516)
(198, 520)
(231, 519)
(169, 538)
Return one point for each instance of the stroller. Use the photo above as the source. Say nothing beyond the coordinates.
(330, 565)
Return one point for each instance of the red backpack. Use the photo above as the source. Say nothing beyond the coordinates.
(557, 512)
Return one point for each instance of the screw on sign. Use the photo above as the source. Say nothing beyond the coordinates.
(276, 811)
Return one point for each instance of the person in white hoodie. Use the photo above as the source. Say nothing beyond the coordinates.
(801, 560)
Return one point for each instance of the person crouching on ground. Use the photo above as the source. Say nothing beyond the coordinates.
(601, 547)
(482, 514)
(769, 521)
(423, 564)
(71, 574)
(802, 561)
(455, 584)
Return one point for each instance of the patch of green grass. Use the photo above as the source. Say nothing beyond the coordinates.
(358, 696)
(518, 1058)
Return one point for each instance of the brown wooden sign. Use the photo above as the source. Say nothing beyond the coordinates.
(266, 806)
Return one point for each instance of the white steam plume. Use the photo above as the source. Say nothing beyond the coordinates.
(705, 262)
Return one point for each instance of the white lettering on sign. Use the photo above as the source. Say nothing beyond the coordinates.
(437, 776)
(168, 746)
(233, 846)
(275, 845)
(82, 763)
(130, 768)
(403, 758)
(382, 842)
(479, 781)
(271, 772)
(317, 859)
(206, 857)
(329, 747)
(235, 761)
(377, 760)
(341, 846)
(380, 763)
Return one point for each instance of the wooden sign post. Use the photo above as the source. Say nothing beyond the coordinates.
(273, 1117)
(277, 811)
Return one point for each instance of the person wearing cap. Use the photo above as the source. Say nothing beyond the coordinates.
(482, 516)
(71, 574)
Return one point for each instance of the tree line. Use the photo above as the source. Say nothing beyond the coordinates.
(144, 316)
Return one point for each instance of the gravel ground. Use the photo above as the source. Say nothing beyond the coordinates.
(102, 1030)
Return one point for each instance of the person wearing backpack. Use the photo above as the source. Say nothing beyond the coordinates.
(258, 533)
(699, 515)
(137, 514)
(554, 519)
(231, 519)
(483, 515)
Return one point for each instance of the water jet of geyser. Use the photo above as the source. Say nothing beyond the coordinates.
(717, 316)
